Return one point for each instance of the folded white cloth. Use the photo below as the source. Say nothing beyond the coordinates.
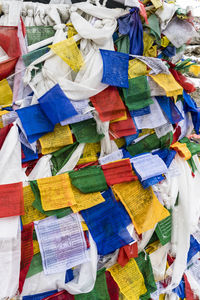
(148, 165)
(155, 119)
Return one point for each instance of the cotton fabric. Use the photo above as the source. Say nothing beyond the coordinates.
(36, 34)
(149, 143)
(83, 112)
(144, 263)
(108, 230)
(170, 109)
(50, 236)
(163, 230)
(38, 205)
(56, 192)
(86, 131)
(60, 157)
(108, 104)
(135, 279)
(84, 201)
(53, 141)
(168, 83)
(119, 171)
(37, 125)
(149, 164)
(154, 119)
(89, 179)
(39, 296)
(122, 128)
(30, 213)
(6, 92)
(10, 44)
(131, 24)
(70, 53)
(35, 266)
(138, 95)
(100, 289)
(11, 200)
(149, 204)
(26, 253)
(115, 68)
(56, 106)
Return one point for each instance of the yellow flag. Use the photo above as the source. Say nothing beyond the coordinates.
(53, 141)
(195, 69)
(31, 213)
(71, 30)
(182, 150)
(168, 83)
(56, 192)
(36, 248)
(70, 53)
(136, 68)
(5, 93)
(164, 41)
(84, 201)
(89, 153)
(146, 131)
(149, 49)
(157, 3)
(123, 118)
(129, 279)
(143, 207)
(152, 247)
(120, 142)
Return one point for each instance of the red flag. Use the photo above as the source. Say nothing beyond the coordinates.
(11, 200)
(26, 253)
(109, 104)
(118, 171)
(122, 128)
(127, 252)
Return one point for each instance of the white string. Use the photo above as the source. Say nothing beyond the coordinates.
(10, 76)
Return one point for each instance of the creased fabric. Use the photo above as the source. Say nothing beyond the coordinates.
(100, 289)
(138, 94)
(89, 179)
(170, 109)
(122, 128)
(135, 279)
(37, 125)
(26, 253)
(108, 230)
(131, 24)
(86, 131)
(31, 214)
(115, 68)
(56, 106)
(119, 171)
(56, 192)
(108, 104)
(52, 236)
(37, 204)
(148, 204)
(53, 141)
(11, 200)
(148, 165)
